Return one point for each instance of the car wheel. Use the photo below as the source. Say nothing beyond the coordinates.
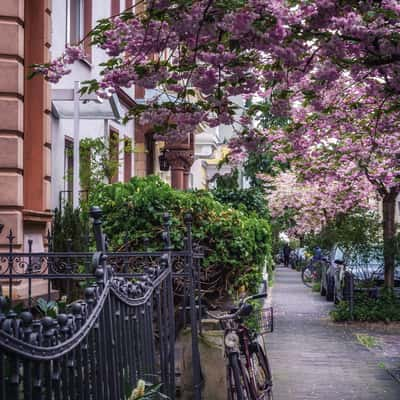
(330, 290)
(323, 289)
(336, 300)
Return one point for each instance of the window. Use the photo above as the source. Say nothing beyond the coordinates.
(79, 23)
(75, 21)
(68, 170)
(151, 154)
(127, 159)
(85, 165)
(113, 156)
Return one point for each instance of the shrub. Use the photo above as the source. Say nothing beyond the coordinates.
(236, 244)
(316, 287)
(248, 200)
(70, 229)
(384, 308)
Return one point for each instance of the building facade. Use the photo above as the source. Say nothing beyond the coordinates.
(102, 120)
(25, 123)
(39, 133)
(95, 118)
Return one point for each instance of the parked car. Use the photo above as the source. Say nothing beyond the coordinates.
(364, 275)
(331, 262)
(367, 273)
(328, 272)
(364, 269)
(380, 276)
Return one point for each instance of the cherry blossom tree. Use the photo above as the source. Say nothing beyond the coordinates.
(345, 109)
(352, 138)
(202, 52)
(312, 204)
(332, 66)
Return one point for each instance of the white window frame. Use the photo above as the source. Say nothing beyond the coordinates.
(80, 22)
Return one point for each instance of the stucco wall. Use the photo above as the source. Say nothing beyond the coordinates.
(95, 128)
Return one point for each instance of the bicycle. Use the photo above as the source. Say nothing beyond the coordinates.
(248, 372)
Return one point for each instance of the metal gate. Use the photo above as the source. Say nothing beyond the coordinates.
(121, 330)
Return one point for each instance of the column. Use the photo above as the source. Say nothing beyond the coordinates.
(11, 119)
(25, 145)
(180, 161)
(37, 121)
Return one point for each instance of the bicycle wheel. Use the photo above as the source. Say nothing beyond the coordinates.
(261, 374)
(239, 387)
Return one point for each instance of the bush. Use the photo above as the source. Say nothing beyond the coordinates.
(251, 200)
(70, 229)
(384, 308)
(235, 243)
(316, 287)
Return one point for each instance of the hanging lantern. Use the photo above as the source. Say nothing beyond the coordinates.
(162, 159)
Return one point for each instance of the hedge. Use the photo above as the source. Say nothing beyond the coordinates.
(236, 244)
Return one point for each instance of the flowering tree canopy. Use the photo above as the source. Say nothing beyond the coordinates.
(312, 205)
(331, 66)
(355, 138)
(198, 53)
(345, 118)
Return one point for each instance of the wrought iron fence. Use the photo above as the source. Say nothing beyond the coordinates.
(350, 291)
(121, 329)
(186, 272)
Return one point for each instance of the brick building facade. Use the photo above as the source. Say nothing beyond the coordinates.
(32, 136)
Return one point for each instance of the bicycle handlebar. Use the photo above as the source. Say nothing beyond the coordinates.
(242, 304)
(258, 296)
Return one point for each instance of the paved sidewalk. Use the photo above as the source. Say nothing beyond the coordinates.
(314, 359)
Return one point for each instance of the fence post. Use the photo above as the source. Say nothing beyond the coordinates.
(351, 296)
(348, 292)
(96, 213)
(101, 271)
(166, 261)
(199, 310)
(193, 312)
(166, 235)
(10, 263)
(171, 389)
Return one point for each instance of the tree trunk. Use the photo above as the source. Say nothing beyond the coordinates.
(389, 236)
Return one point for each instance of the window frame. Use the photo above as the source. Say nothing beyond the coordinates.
(113, 152)
(127, 159)
(68, 166)
(83, 23)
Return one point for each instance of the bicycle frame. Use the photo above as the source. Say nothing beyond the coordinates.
(238, 342)
(246, 338)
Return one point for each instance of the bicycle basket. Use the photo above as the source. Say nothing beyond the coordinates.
(261, 321)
